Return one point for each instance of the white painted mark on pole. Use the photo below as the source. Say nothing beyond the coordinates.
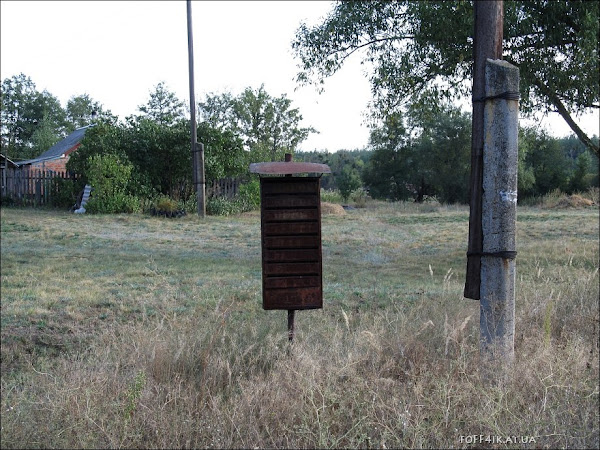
(508, 196)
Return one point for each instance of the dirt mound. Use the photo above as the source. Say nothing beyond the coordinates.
(332, 209)
(573, 201)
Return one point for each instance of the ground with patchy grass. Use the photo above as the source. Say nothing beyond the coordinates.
(138, 331)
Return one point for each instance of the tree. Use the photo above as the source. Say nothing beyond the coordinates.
(163, 106)
(386, 173)
(18, 94)
(43, 137)
(549, 166)
(268, 126)
(79, 111)
(25, 110)
(579, 182)
(422, 52)
(336, 161)
(348, 181)
(432, 162)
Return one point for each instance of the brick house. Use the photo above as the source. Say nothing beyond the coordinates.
(56, 157)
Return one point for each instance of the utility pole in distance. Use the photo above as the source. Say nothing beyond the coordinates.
(197, 148)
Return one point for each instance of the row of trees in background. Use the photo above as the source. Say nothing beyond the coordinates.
(32, 121)
(148, 154)
(423, 155)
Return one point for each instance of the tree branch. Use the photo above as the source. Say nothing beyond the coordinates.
(562, 110)
(349, 50)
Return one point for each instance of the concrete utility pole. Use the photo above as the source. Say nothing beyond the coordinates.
(197, 148)
(499, 210)
(491, 269)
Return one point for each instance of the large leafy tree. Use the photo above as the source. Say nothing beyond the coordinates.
(422, 51)
(163, 106)
(79, 111)
(268, 126)
(435, 161)
(29, 118)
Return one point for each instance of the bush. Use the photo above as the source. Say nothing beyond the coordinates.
(331, 196)
(117, 203)
(359, 197)
(109, 177)
(221, 206)
(7, 201)
(166, 204)
(249, 195)
(65, 192)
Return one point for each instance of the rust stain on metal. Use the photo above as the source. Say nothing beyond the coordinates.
(291, 241)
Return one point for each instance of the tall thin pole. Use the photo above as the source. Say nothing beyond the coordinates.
(487, 43)
(197, 149)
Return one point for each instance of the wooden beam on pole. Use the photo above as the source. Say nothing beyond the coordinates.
(487, 43)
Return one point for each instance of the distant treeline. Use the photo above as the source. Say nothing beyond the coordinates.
(404, 161)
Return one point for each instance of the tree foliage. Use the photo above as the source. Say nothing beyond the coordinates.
(110, 177)
(158, 148)
(25, 110)
(268, 126)
(337, 161)
(434, 162)
(163, 107)
(32, 121)
(79, 111)
(421, 52)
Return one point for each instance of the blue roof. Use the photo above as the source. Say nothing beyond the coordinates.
(60, 148)
(66, 144)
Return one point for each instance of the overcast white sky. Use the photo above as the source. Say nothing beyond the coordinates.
(117, 51)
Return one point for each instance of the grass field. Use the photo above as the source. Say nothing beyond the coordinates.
(130, 331)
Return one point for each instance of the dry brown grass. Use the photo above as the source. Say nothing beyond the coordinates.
(167, 346)
(573, 201)
(332, 209)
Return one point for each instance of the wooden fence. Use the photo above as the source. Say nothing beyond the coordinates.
(224, 187)
(30, 187)
(33, 187)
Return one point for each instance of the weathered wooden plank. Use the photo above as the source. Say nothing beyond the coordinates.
(288, 168)
(291, 228)
(291, 268)
(307, 298)
(290, 215)
(300, 281)
(290, 201)
(296, 242)
(294, 186)
(292, 255)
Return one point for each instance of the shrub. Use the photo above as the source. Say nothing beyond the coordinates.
(221, 206)
(249, 195)
(7, 201)
(109, 176)
(116, 203)
(166, 204)
(65, 192)
(348, 182)
(331, 196)
(359, 197)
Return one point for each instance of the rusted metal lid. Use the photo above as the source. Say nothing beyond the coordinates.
(288, 168)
